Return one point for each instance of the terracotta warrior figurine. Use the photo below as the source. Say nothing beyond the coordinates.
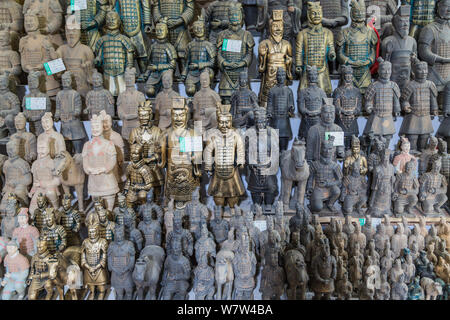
(216, 17)
(38, 216)
(382, 187)
(99, 160)
(197, 212)
(204, 285)
(28, 145)
(354, 190)
(401, 159)
(164, 101)
(12, 17)
(179, 234)
(444, 129)
(92, 19)
(324, 272)
(274, 53)
(98, 98)
(17, 269)
(70, 219)
(219, 227)
(124, 215)
(50, 137)
(9, 221)
(273, 278)
(433, 188)
(244, 268)
(427, 154)
(151, 229)
(39, 276)
(10, 61)
(243, 100)
(54, 233)
(205, 103)
(25, 234)
(406, 189)
(9, 107)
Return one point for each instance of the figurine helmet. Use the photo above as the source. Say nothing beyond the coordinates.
(72, 22)
(223, 111)
(260, 113)
(358, 10)
(355, 141)
(23, 212)
(403, 11)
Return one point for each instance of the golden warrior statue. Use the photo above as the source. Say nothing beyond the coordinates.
(315, 47)
(274, 53)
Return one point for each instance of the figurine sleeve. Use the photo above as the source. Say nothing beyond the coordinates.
(433, 97)
(188, 13)
(77, 104)
(340, 40)
(331, 54)
(250, 43)
(212, 57)
(240, 150)
(58, 106)
(405, 96)
(146, 12)
(396, 97)
(369, 96)
(262, 56)
(301, 103)
(426, 37)
(299, 50)
(109, 108)
(373, 42)
(98, 51)
(14, 59)
(289, 59)
(207, 153)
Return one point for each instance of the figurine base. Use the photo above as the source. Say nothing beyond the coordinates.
(325, 212)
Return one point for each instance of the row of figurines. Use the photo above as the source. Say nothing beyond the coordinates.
(215, 257)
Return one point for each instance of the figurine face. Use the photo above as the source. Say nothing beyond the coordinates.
(112, 21)
(161, 31)
(93, 232)
(179, 118)
(421, 71)
(4, 39)
(243, 81)
(312, 76)
(328, 116)
(4, 82)
(261, 123)
(97, 80)
(135, 155)
(356, 149)
(119, 234)
(401, 25)
(358, 14)
(199, 30)
(47, 123)
(107, 123)
(276, 30)
(50, 219)
(96, 128)
(33, 82)
(73, 36)
(144, 117)
(66, 203)
(11, 249)
(41, 202)
(42, 246)
(102, 215)
(176, 248)
(167, 81)
(315, 15)
(443, 9)
(42, 150)
(385, 71)
(224, 123)
(31, 23)
(235, 17)
(281, 76)
(348, 77)
(20, 123)
(129, 79)
(204, 80)
(327, 151)
(66, 82)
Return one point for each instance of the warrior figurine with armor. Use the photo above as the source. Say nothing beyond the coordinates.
(124, 215)
(38, 215)
(445, 170)
(92, 19)
(205, 103)
(197, 212)
(243, 100)
(39, 276)
(54, 233)
(406, 189)
(314, 47)
(355, 46)
(335, 14)
(164, 101)
(176, 275)
(28, 144)
(98, 98)
(422, 14)
(204, 286)
(205, 245)
(25, 234)
(444, 129)
(151, 229)
(235, 51)
(382, 186)
(9, 60)
(291, 14)
(354, 190)
(9, 220)
(244, 268)
(50, 137)
(355, 156)
(70, 219)
(17, 268)
(219, 226)
(323, 267)
(273, 53)
(216, 17)
(433, 188)
(11, 16)
(181, 235)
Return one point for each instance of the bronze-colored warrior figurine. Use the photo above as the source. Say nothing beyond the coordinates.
(70, 219)
(355, 46)
(205, 103)
(98, 98)
(68, 109)
(226, 144)
(12, 18)
(92, 19)
(314, 47)
(78, 58)
(419, 102)
(382, 187)
(9, 107)
(433, 188)
(354, 190)
(434, 42)
(243, 101)
(182, 172)
(178, 14)
(200, 57)
(356, 155)
(399, 47)
(216, 17)
(274, 53)
(309, 102)
(9, 60)
(406, 189)
(54, 233)
(382, 103)
(135, 14)
(164, 101)
(162, 57)
(444, 129)
(235, 50)
(348, 102)
(114, 53)
(38, 216)
(39, 276)
(28, 146)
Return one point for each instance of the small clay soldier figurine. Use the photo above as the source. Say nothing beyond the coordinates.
(335, 15)
(17, 269)
(10, 65)
(205, 246)
(28, 145)
(9, 107)
(25, 234)
(216, 17)
(354, 190)
(417, 237)
(419, 102)
(355, 156)
(399, 47)
(444, 129)
(400, 160)
(244, 268)
(101, 216)
(9, 221)
(382, 187)
(324, 130)
(12, 18)
(315, 47)
(68, 109)
(427, 155)
(324, 180)
(281, 107)
(433, 188)
(205, 103)
(98, 98)
(204, 280)
(243, 100)
(262, 155)
(406, 189)
(123, 214)
(93, 261)
(197, 212)
(99, 160)
(200, 57)
(445, 170)
(121, 255)
(228, 148)
(348, 102)
(273, 278)
(164, 101)
(119, 145)
(127, 107)
(274, 53)
(114, 53)
(355, 46)
(33, 112)
(50, 137)
(399, 289)
(233, 56)
(92, 19)
(38, 216)
(39, 276)
(433, 45)
(180, 234)
(324, 272)
(382, 103)
(309, 102)
(150, 228)
(162, 57)
(54, 233)
(219, 227)
(70, 219)
(291, 13)
(176, 275)
(77, 57)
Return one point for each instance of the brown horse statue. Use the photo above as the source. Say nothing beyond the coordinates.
(70, 170)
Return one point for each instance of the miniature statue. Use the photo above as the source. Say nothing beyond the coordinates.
(219, 227)
(147, 271)
(399, 289)
(382, 187)
(427, 154)
(197, 212)
(99, 160)
(388, 258)
(358, 237)
(39, 276)
(216, 17)
(445, 170)
(443, 130)
(243, 100)
(296, 274)
(68, 109)
(232, 62)
(348, 228)
(78, 58)
(50, 137)
(98, 98)
(419, 102)
(204, 280)
(324, 272)
(274, 53)
(432, 289)
(399, 241)
(355, 156)
(401, 159)
(12, 18)
(70, 219)
(205, 246)
(54, 233)
(442, 270)
(28, 145)
(34, 113)
(176, 275)
(92, 19)
(272, 278)
(291, 14)
(406, 189)
(205, 102)
(415, 291)
(114, 53)
(25, 234)
(153, 208)
(119, 145)
(410, 269)
(344, 287)
(38, 216)
(433, 45)
(354, 190)
(244, 268)
(431, 238)
(124, 215)
(9, 107)
(324, 180)
(150, 228)
(315, 47)
(399, 47)
(17, 269)
(355, 46)
(417, 237)
(433, 189)
(9, 222)
(224, 274)
(181, 235)
(164, 101)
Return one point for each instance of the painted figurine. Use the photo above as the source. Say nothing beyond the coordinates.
(98, 98)
(205, 103)
(9, 107)
(243, 100)
(422, 13)
(164, 101)
(17, 269)
(216, 17)
(39, 276)
(382, 187)
(406, 189)
(28, 144)
(356, 155)
(92, 20)
(70, 219)
(404, 156)
(433, 188)
(25, 234)
(444, 128)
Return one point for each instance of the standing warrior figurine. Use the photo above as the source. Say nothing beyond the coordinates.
(98, 98)
(92, 19)
(70, 219)
(335, 14)
(162, 57)
(99, 159)
(164, 101)
(235, 50)
(273, 53)
(25, 234)
(216, 17)
(382, 103)
(68, 109)
(382, 187)
(433, 188)
(205, 103)
(348, 102)
(315, 47)
(32, 113)
(28, 145)
(356, 46)
(243, 101)
(323, 267)
(200, 57)
(444, 129)
(434, 43)
(176, 275)
(54, 233)
(9, 220)
(12, 17)
(406, 189)
(17, 268)
(244, 268)
(50, 137)
(422, 13)
(355, 156)
(226, 144)
(9, 60)
(124, 215)
(9, 107)
(419, 102)
(114, 53)
(445, 157)
(281, 107)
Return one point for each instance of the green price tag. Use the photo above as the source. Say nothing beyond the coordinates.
(362, 221)
(47, 69)
(225, 45)
(28, 103)
(182, 144)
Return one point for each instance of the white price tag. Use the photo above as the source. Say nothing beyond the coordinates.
(191, 144)
(54, 66)
(76, 5)
(338, 138)
(37, 103)
(232, 45)
(376, 222)
(260, 224)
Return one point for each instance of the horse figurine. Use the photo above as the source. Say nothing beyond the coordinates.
(147, 271)
(224, 274)
(294, 173)
(71, 173)
(296, 275)
(64, 270)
